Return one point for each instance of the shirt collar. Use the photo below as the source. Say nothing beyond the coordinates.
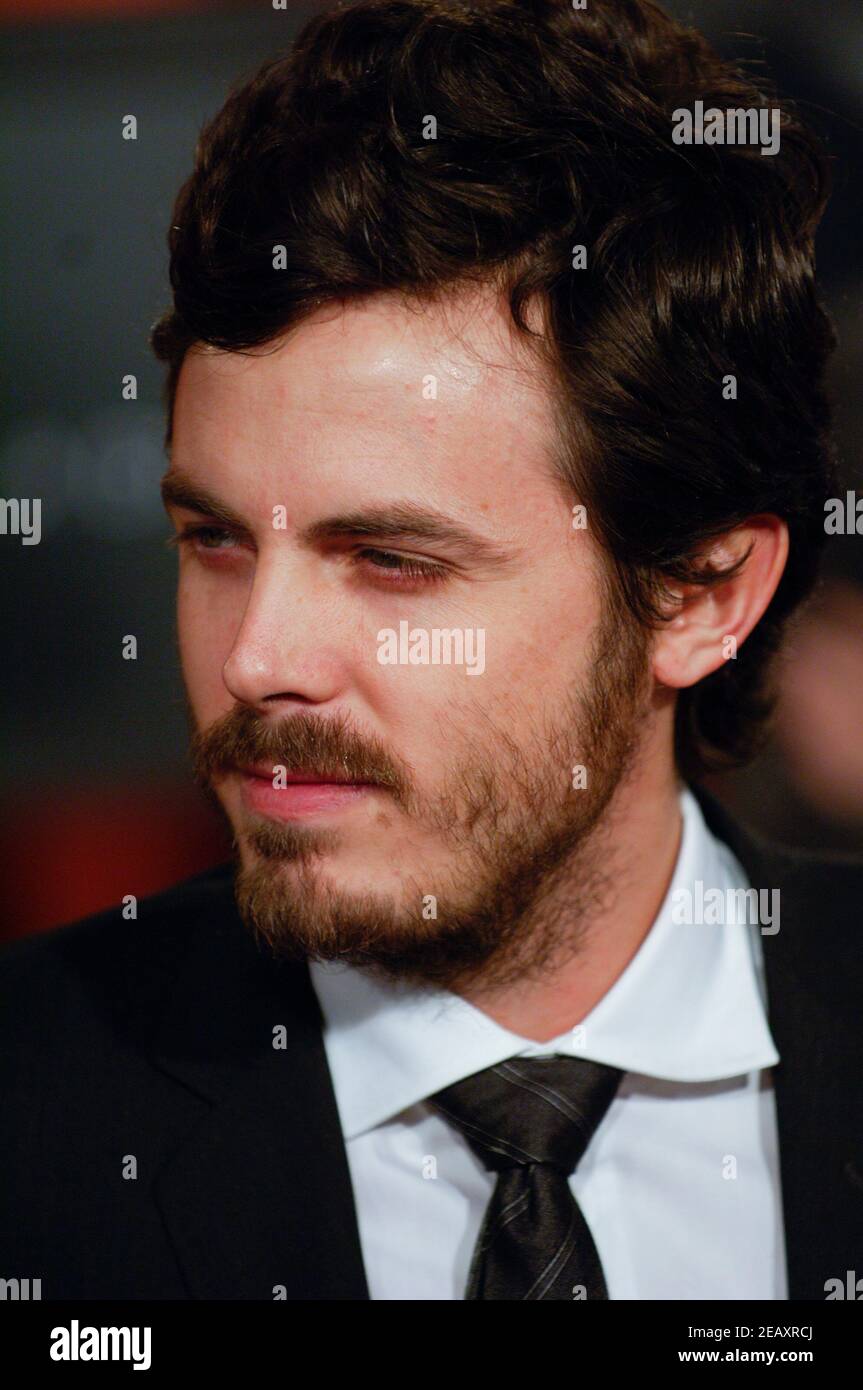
(688, 1007)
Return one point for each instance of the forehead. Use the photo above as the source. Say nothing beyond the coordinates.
(383, 362)
(443, 404)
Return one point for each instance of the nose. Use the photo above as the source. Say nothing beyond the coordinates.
(287, 651)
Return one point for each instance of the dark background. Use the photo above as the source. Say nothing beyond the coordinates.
(95, 795)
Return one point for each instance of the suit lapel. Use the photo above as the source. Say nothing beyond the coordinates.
(257, 1200)
(816, 1028)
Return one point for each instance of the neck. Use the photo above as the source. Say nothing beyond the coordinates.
(640, 837)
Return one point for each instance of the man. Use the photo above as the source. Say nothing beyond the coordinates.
(498, 455)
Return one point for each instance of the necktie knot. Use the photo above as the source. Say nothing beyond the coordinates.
(530, 1110)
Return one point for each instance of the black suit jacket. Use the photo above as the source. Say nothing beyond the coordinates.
(152, 1040)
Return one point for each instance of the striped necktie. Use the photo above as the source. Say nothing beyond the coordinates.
(530, 1120)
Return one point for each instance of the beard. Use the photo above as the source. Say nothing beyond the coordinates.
(529, 863)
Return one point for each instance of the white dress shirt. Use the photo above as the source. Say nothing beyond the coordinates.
(680, 1183)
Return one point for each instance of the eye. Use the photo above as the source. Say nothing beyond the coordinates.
(208, 538)
(402, 569)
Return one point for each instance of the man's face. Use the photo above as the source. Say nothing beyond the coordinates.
(381, 476)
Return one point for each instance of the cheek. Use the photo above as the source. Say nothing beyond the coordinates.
(539, 669)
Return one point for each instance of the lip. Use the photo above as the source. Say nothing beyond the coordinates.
(265, 771)
(304, 793)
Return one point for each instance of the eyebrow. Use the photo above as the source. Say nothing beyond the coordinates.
(405, 521)
(178, 490)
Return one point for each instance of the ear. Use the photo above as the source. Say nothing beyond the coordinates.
(711, 622)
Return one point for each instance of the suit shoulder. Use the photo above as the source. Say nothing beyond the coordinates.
(821, 895)
(833, 879)
(110, 944)
(832, 882)
(817, 914)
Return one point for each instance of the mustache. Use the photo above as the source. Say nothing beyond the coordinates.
(326, 747)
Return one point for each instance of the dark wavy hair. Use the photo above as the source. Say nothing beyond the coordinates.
(554, 130)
